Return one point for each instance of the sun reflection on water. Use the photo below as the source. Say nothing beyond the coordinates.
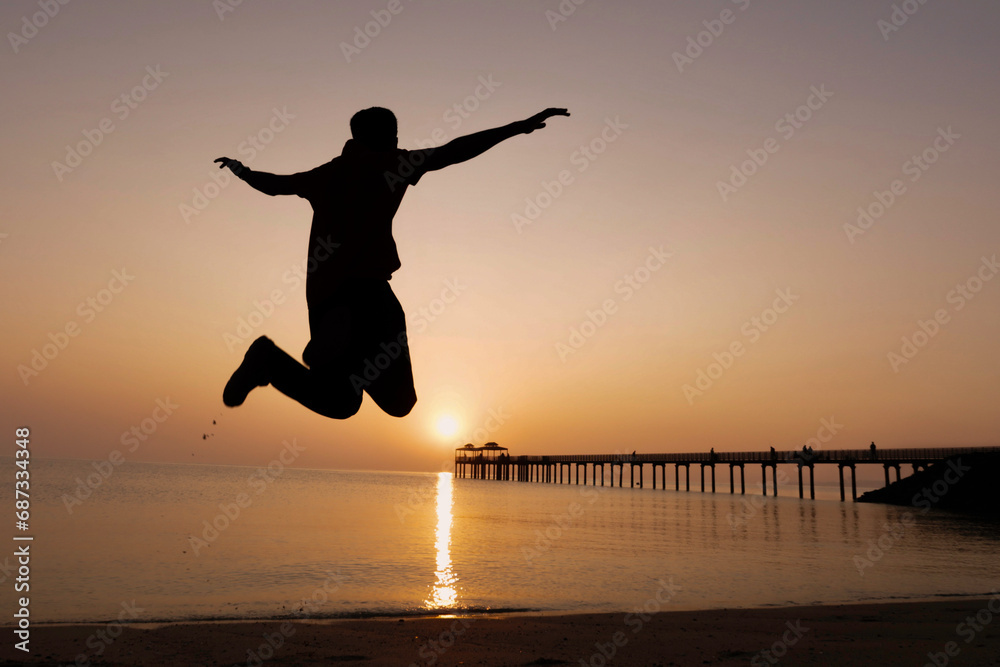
(443, 594)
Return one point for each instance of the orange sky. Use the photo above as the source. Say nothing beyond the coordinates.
(664, 246)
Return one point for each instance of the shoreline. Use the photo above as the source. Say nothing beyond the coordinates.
(490, 613)
(897, 632)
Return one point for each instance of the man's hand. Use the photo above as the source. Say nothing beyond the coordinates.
(537, 121)
(234, 165)
(465, 148)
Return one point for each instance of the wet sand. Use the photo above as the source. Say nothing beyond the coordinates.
(870, 634)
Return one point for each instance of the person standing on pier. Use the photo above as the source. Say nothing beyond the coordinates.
(358, 331)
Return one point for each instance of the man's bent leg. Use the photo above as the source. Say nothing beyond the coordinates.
(323, 391)
(382, 362)
(265, 363)
(395, 394)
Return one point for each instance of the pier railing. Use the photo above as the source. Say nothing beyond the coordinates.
(534, 468)
(781, 456)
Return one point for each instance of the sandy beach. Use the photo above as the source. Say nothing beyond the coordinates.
(869, 634)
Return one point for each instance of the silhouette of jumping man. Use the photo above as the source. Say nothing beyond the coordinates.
(357, 328)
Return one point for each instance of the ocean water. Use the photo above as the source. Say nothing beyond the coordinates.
(179, 542)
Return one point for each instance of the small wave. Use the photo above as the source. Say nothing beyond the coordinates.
(360, 614)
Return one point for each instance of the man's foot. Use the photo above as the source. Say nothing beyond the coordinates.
(251, 374)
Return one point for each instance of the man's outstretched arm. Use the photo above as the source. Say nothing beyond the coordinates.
(269, 184)
(467, 147)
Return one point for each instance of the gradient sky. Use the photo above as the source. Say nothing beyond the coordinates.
(521, 290)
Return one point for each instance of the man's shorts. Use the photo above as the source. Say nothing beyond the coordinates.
(361, 331)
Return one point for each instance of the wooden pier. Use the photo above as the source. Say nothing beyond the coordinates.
(493, 462)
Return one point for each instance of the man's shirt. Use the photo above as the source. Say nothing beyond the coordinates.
(354, 198)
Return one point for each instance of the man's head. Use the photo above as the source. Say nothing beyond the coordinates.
(375, 127)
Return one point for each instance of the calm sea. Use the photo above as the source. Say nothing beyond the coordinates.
(175, 542)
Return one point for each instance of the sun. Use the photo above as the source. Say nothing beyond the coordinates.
(447, 425)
